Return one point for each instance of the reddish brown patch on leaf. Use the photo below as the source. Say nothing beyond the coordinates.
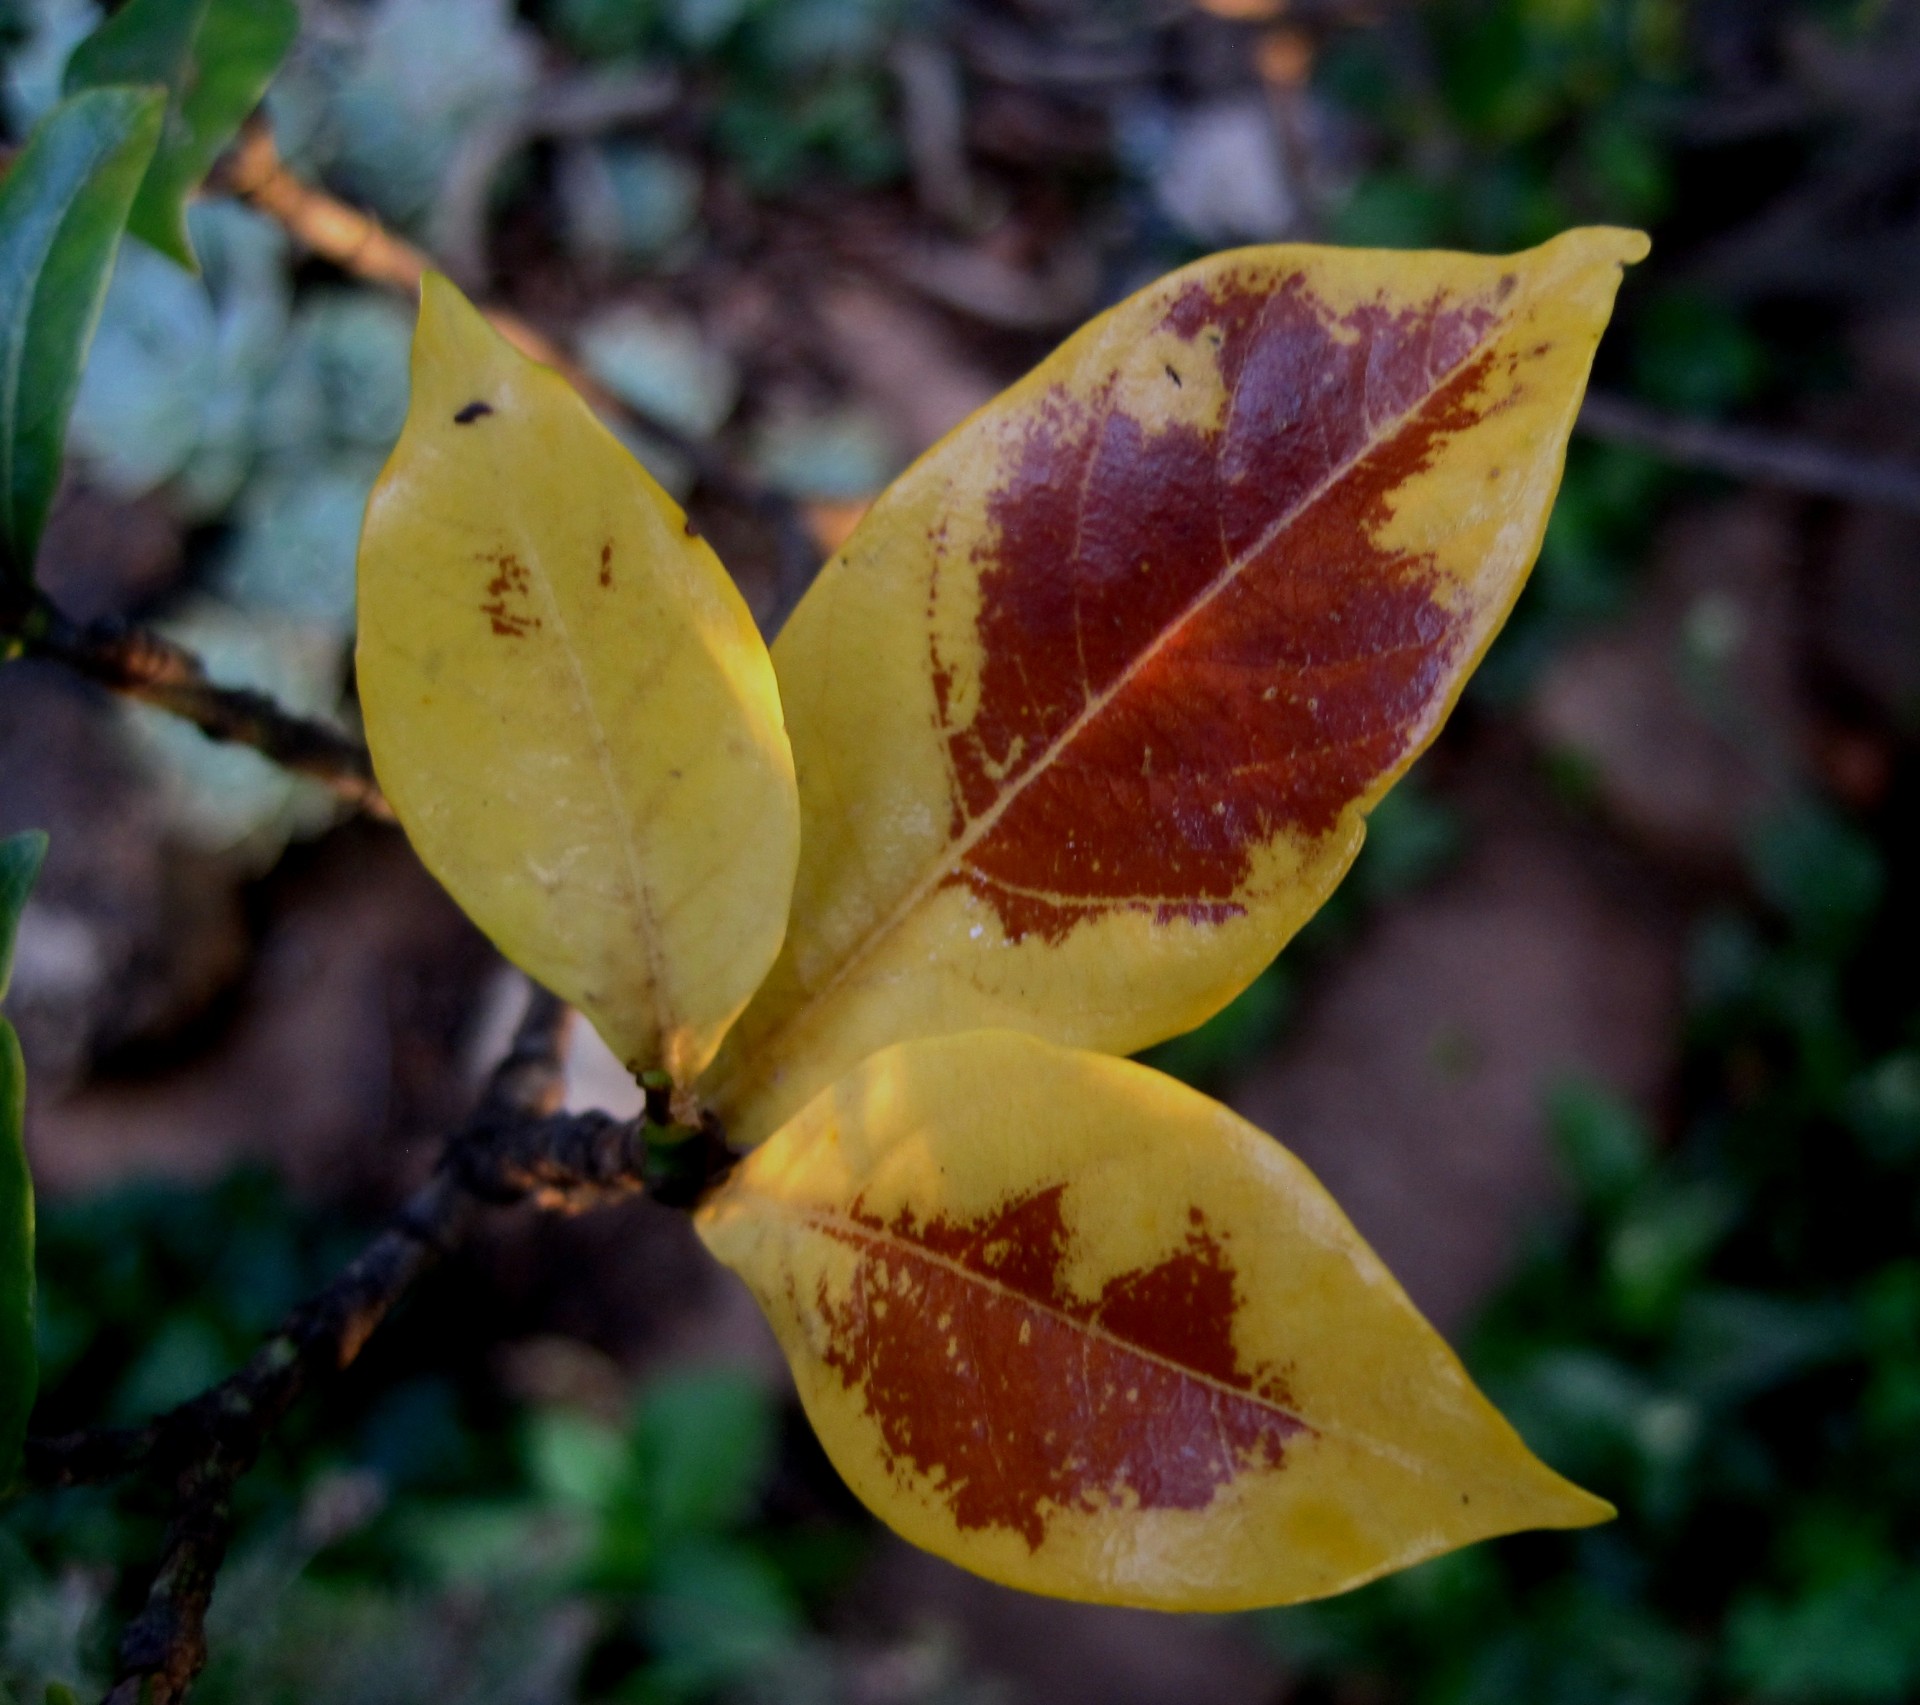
(1190, 639)
(509, 604)
(986, 1374)
(606, 565)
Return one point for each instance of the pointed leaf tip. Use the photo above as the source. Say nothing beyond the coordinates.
(1081, 1330)
(214, 58)
(568, 703)
(63, 204)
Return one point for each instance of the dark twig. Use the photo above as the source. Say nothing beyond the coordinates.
(141, 665)
(210, 1443)
(515, 1147)
(1742, 453)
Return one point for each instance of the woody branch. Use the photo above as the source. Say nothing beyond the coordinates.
(515, 1147)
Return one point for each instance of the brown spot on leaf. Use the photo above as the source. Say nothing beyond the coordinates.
(1017, 1397)
(1262, 535)
(606, 565)
(509, 601)
(474, 410)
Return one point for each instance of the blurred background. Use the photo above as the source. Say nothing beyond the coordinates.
(1611, 1042)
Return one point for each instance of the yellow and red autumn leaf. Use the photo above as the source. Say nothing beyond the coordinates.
(1078, 1328)
(1088, 712)
(1088, 715)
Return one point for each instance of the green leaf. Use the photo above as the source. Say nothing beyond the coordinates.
(1604, 1143)
(720, 1615)
(19, 1367)
(575, 1460)
(1658, 1245)
(705, 1443)
(1851, 1641)
(1882, 1106)
(215, 59)
(61, 210)
(1822, 872)
(20, 857)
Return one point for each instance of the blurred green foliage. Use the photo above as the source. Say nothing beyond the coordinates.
(248, 406)
(1512, 119)
(214, 58)
(1492, 124)
(20, 859)
(798, 88)
(415, 1536)
(1722, 1335)
(381, 108)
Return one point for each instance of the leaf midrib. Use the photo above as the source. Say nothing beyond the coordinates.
(955, 853)
(35, 276)
(850, 1230)
(626, 830)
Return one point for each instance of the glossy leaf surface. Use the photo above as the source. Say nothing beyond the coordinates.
(62, 207)
(1089, 711)
(215, 59)
(1078, 1328)
(20, 857)
(568, 703)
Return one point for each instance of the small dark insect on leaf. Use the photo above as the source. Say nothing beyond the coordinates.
(472, 412)
(1175, 377)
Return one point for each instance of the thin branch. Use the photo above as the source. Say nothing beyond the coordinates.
(515, 1147)
(164, 1647)
(140, 664)
(350, 239)
(1741, 453)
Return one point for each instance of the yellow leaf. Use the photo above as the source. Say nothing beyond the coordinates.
(568, 704)
(1078, 1328)
(1089, 711)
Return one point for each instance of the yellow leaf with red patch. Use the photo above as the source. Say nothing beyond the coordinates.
(1089, 711)
(568, 703)
(1080, 1329)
